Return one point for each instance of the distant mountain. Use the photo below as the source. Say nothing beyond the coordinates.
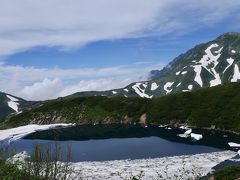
(12, 105)
(206, 65)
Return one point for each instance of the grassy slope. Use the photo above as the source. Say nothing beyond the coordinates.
(219, 106)
(227, 173)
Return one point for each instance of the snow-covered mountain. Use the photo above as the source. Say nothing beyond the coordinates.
(10, 104)
(205, 65)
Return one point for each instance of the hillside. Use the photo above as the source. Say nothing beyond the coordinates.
(206, 65)
(12, 105)
(218, 106)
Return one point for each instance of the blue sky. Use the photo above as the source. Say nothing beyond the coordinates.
(55, 48)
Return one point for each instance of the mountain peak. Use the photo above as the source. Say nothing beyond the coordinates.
(209, 64)
(229, 34)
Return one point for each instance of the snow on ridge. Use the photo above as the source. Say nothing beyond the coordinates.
(126, 90)
(236, 75)
(154, 86)
(10, 135)
(230, 62)
(167, 86)
(12, 98)
(13, 103)
(140, 91)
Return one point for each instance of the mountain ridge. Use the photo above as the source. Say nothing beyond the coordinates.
(205, 65)
(11, 105)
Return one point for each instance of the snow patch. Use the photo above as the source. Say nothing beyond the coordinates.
(13, 103)
(232, 144)
(184, 127)
(126, 90)
(154, 86)
(198, 78)
(233, 51)
(184, 72)
(196, 137)
(114, 92)
(167, 86)
(178, 84)
(177, 73)
(186, 134)
(140, 91)
(236, 75)
(190, 87)
(218, 51)
(230, 62)
(209, 59)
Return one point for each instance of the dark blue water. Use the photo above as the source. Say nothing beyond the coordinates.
(116, 149)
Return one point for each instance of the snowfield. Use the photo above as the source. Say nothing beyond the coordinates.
(10, 135)
(13, 103)
(208, 59)
(236, 75)
(175, 167)
(188, 166)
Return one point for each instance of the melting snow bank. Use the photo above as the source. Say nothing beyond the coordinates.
(14, 134)
(232, 144)
(188, 132)
(188, 166)
(196, 137)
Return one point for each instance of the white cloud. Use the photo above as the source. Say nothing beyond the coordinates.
(42, 90)
(97, 84)
(70, 24)
(39, 84)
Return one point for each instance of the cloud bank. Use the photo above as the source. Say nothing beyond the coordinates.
(34, 83)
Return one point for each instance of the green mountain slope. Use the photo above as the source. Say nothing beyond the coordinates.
(11, 105)
(218, 106)
(205, 65)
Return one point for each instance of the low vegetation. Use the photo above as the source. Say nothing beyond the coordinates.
(227, 173)
(210, 107)
(45, 163)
